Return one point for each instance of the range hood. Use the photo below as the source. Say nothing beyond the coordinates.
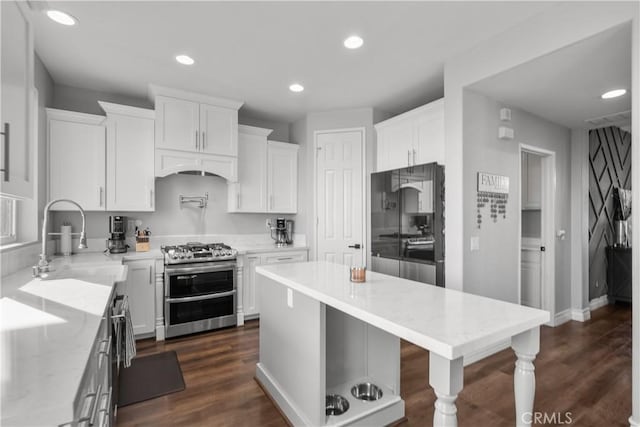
(169, 162)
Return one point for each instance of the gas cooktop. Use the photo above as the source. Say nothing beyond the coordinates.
(197, 252)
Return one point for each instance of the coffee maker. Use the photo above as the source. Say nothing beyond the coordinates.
(282, 233)
(117, 227)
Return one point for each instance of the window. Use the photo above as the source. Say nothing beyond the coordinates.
(7, 220)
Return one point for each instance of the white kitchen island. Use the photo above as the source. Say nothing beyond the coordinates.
(321, 334)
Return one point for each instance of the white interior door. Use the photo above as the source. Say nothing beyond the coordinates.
(340, 197)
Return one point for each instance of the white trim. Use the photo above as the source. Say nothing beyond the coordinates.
(126, 110)
(254, 130)
(363, 142)
(480, 354)
(562, 317)
(155, 90)
(74, 116)
(548, 237)
(580, 315)
(599, 302)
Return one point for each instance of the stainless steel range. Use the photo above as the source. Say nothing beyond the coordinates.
(199, 287)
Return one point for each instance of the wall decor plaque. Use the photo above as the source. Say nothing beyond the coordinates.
(490, 183)
(493, 191)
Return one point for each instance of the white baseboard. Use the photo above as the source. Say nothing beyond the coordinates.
(581, 315)
(596, 303)
(562, 317)
(485, 352)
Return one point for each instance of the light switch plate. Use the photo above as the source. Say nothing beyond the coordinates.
(475, 243)
(289, 298)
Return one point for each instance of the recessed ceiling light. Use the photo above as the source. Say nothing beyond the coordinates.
(353, 42)
(613, 93)
(185, 60)
(296, 87)
(61, 17)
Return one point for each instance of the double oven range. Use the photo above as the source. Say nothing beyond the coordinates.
(199, 287)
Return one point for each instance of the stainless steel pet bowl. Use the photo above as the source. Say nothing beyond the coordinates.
(366, 391)
(336, 404)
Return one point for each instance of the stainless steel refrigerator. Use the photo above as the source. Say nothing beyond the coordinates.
(407, 223)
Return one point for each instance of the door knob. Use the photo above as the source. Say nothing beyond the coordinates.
(543, 249)
(356, 246)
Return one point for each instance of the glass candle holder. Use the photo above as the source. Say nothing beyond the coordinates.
(358, 274)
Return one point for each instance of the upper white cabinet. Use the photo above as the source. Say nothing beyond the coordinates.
(249, 194)
(17, 114)
(195, 133)
(77, 159)
(413, 138)
(282, 177)
(267, 174)
(531, 181)
(130, 151)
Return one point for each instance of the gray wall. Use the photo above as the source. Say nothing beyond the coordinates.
(493, 270)
(169, 219)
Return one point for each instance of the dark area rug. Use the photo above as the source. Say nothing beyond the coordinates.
(149, 377)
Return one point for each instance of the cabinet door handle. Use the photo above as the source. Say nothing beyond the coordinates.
(204, 140)
(150, 275)
(408, 157)
(238, 200)
(285, 258)
(100, 196)
(151, 198)
(414, 156)
(197, 146)
(7, 141)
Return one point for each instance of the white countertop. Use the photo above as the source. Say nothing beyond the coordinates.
(448, 322)
(47, 329)
(267, 247)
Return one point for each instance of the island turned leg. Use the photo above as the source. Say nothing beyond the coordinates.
(526, 345)
(445, 376)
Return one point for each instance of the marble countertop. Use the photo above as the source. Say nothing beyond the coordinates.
(448, 322)
(47, 329)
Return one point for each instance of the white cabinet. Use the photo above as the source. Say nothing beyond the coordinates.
(250, 293)
(17, 114)
(531, 181)
(195, 133)
(249, 194)
(267, 174)
(140, 289)
(531, 278)
(76, 159)
(413, 138)
(282, 177)
(130, 151)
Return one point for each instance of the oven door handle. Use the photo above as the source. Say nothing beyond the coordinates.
(201, 297)
(171, 271)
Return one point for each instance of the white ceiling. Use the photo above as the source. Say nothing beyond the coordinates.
(252, 51)
(565, 86)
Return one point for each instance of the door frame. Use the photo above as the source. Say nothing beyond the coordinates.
(363, 142)
(548, 226)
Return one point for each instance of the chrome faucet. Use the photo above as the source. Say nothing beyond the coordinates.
(43, 263)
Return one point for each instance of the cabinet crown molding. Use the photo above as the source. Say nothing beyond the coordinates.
(156, 90)
(254, 130)
(126, 110)
(437, 104)
(74, 116)
(287, 145)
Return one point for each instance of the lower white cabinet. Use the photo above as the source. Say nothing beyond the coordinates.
(140, 288)
(250, 293)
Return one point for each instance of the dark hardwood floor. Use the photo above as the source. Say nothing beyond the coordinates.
(582, 368)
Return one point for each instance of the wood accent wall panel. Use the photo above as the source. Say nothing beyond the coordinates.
(609, 167)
